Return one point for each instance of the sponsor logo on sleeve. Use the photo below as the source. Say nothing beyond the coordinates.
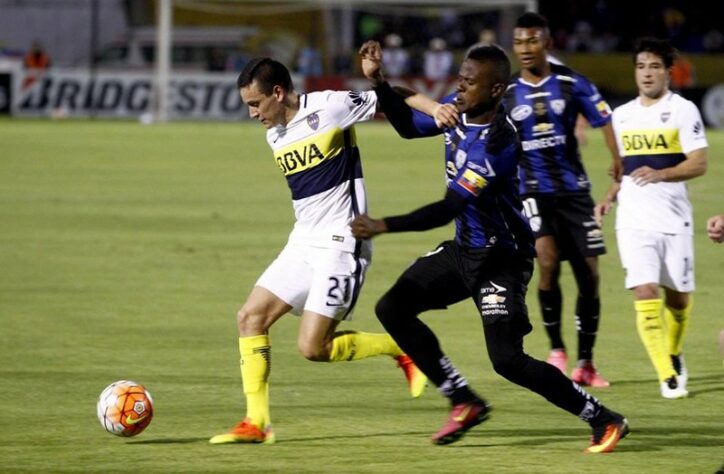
(521, 112)
(603, 108)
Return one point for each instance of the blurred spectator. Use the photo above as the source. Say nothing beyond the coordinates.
(216, 60)
(682, 74)
(395, 59)
(487, 36)
(713, 41)
(309, 61)
(236, 61)
(36, 62)
(581, 40)
(438, 60)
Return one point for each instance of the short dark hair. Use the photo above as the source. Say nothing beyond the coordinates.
(494, 54)
(532, 20)
(268, 73)
(660, 47)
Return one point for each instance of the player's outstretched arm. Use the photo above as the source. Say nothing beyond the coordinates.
(445, 115)
(433, 215)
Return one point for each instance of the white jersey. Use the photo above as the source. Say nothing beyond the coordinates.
(317, 152)
(658, 136)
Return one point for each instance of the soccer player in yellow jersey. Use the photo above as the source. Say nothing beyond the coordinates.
(662, 142)
(319, 273)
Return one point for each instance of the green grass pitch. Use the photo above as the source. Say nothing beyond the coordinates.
(125, 251)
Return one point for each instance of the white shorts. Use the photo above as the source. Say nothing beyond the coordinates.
(655, 257)
(322, 280)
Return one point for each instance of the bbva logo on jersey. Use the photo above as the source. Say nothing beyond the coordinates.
(636, 141)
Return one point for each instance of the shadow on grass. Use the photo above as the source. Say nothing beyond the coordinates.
(171, 441)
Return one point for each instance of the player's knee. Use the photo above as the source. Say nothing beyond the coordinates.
(313, 351)
(249, 321)
(508, 365)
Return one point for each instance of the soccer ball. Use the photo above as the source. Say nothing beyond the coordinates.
(125, 408)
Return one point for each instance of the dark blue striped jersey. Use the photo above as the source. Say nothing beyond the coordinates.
(545, 116)
(481, 164)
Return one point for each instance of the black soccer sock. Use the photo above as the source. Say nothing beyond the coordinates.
(550, 304)
(398, 312)
(587, 317)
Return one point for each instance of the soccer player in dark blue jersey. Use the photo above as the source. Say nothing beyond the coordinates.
(490, 260)
(544, 100)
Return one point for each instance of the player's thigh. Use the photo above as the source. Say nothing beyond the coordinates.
(261, 309)
(641, 256)
(540, 211)
(578, 232)
(434, 280)
(336, 282)
(500, 294)
(288, 277)
(678, 269)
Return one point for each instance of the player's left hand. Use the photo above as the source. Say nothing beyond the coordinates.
(364, 227)
(371, 53)
(645, 175)
(446, 115)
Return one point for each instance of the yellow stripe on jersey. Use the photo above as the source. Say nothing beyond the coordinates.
(657, 141)
(312, 151)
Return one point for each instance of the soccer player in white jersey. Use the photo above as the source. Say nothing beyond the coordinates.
(319, 273)
(661, 138)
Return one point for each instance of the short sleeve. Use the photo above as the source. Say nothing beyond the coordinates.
(350, 107)
(592, 105)
(691, 128)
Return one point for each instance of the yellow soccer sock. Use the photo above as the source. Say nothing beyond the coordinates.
(353, 345)
(255, 366)
(651, 331)
(677, 320)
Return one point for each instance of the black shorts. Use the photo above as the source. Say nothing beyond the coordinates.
(496, 280)
(569, 219)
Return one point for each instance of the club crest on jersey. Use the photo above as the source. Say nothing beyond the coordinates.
(558, 106)
(521, 112)
(665, 116)
(460, 159)
(313, 121)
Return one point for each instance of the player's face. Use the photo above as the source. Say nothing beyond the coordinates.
(477, 91)
(652, 76)
(530, 47)
(267, 109)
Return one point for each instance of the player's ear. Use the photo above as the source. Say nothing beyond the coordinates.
(279, 93)
(498, 90)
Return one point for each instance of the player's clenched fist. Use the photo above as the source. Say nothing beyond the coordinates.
(715, 228)
(371, 53)
(364, 227)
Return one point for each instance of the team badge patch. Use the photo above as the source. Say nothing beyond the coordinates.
(665, 116)
(558, 106)
(472, 182)
(603, 109)
(460, 158)
(313, 121)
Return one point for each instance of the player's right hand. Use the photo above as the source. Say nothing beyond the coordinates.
(600, 210)
(364, 227)
(371, 53)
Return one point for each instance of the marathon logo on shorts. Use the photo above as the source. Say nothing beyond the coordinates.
(492, 303)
